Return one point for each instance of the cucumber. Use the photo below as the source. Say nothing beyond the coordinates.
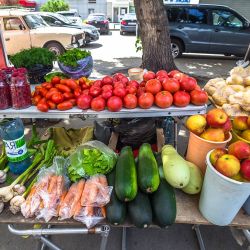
(164, 204)
(116, 210)
(148, 174)
(125, 176)
(140, 210)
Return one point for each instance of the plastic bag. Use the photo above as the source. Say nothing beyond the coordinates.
(96, 192)
(102, 131)
(69, 203)
(91, 158)
(134, 132)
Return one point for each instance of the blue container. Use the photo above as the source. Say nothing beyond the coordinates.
(12, 134)
(246, 206)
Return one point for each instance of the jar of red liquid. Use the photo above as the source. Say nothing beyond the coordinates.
(8, 72)
(20, 91)
(5, 99)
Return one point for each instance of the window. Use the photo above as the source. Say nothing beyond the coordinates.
(92, 1)
(197, 15)
(91, 11)
(34, 21)
(226, 19)
(50, 20)
(13, 23)
(177, 14)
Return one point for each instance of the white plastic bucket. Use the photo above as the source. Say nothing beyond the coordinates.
(221, 197)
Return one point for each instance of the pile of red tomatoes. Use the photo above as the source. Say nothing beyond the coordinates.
(115, 92)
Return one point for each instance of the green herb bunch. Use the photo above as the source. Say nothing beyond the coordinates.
(70, 57)
(28, 58)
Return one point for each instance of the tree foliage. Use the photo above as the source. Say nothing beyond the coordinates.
(55, 5)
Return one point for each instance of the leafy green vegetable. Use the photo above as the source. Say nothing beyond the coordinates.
(90, 161)
(28, 58)
(70, 57)
(49, 76)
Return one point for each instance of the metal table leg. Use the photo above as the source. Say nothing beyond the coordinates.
(104, 235)
(199, 237)
(48, 243)
(247, 234)
(124, 238)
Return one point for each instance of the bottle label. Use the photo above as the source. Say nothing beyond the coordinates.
(16, 150)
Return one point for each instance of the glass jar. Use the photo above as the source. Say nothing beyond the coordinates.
(20, 91)
(8, 72)
(5, 99)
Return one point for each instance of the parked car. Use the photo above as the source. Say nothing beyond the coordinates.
(23, 30)
(100, 21)
(72, 15)
(128, 24)
(206, 28)
(27, 3)
(58, 20)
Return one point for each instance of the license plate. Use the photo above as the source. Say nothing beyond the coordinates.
(131, 24)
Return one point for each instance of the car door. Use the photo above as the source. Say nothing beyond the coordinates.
(229, 33)
(16, 35)
(188, 25)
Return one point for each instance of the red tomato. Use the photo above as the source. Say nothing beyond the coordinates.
(130, 101)
(179, 76)
(36, 99)
(49, 86)
(199, 97)
(43, 92)
(120, 92)
(107, 80)
(106, 94)
(51, 104)
(114, 104)
(77, 92)
(83, 101)
(131, 90)
(85, 92)
(63, 88)
(140, 91)
(133, 83)
(173, 72)
(164, 99)
(119, 85)
(171, 85)
(83, 84)
(162, 78)
(73, 101)
(98, 104)
(148, 76)
(68, 96)
(198, 87)
(95, 91)
(57, 98)
(107, 88)
(43, 107)
(66, 105)
(97, 83)
(55, 80)
(71, 84)
(153, 86)
(51, 92)
(181, 98)
(124, 80)
(117, 77)
(188, 83)
(142, 84)
(162, 73)
(146, 100)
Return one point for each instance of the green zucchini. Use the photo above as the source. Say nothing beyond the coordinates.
(116, 209)
(148, 174)
(164, 204)
(125, 176)
(140, 211)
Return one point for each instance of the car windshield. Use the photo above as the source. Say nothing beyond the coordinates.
(67, 14)
(62, 18)
(130, 16)
(95, 17)
(34, 21)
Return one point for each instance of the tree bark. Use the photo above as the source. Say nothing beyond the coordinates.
(153, 22)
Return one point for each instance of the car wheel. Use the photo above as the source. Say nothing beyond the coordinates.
(176, 47)
(56, 48)
(121, 33)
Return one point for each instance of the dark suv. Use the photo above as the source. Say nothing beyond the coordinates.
(206, 28)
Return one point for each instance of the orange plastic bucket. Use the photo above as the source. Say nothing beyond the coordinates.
(198, 149)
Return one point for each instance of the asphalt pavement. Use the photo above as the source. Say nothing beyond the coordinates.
(112, 53)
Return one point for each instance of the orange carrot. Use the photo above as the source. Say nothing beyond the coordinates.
(89, 192)
(89, 211)
(78, 194)
(78, 209)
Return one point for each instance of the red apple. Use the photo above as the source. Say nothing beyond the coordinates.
(245, 169)
(239, 149)
(199, 97)
(227, 126)
(216, 118)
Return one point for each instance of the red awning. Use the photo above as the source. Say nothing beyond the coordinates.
(3, 56)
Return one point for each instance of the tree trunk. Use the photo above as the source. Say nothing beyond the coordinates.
(153, 22)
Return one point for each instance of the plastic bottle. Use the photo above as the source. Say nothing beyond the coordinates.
(12, 134)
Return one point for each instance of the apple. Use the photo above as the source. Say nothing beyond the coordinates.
(246, 134)
(239, 149)
(240, 122)
(187, 83)
(245, 169)
(213, 134)
(148, 76)
(196, 124)
(227, 126)
(228, 165)
(248, 121)
(199, 97)
(171, 85)
(216, 154)
(216, 118)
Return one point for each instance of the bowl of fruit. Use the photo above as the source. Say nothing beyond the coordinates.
(241, 129)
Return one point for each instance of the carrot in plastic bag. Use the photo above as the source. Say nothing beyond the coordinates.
(78, 195)
(90, 192)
